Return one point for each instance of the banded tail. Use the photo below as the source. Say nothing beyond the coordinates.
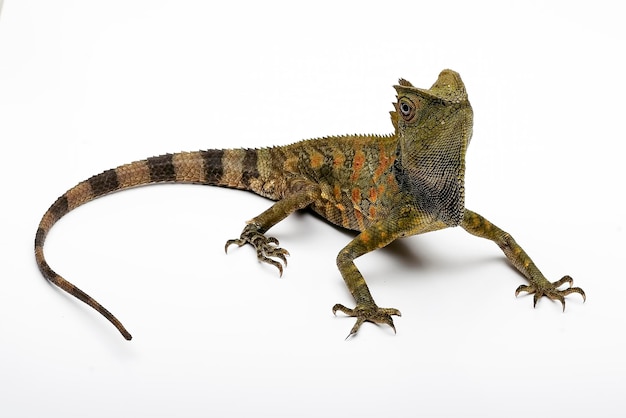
(237, 168)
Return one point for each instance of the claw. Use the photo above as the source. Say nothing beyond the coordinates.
(565, 279)
(368, 314)
(274, 263)
(551, 290)
(266, 247)
(230, 242)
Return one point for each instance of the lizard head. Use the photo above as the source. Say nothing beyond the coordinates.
(433, 127)
(414, 102)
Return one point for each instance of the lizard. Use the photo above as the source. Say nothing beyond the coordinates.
(384, 187)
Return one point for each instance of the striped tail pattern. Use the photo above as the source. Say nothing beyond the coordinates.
(237, 168)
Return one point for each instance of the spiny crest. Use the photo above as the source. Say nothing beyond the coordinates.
(394, 118)
(449, 87)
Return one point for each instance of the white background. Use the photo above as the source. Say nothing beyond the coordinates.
(88, 85)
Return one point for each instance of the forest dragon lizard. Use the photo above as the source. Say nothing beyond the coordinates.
(385, 187)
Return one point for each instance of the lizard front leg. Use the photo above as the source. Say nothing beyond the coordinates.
(254, 231)
(404, 221)
(538, 285)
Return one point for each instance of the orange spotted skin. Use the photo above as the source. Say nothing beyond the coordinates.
(385, 187)
(351, 175)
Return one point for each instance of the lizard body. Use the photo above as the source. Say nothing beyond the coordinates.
(385, 187)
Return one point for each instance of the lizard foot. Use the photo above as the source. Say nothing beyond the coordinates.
(551, 290)
(368, 313)
(266, 247)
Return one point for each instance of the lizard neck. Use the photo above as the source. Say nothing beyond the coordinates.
(432, 172)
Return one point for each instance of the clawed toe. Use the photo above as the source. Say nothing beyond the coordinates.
(364, 313)
(551, 290)
(266, 247)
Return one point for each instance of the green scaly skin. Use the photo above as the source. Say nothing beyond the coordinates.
(385, 187)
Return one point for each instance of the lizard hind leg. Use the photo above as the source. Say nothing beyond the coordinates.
(266, 247)
(254, 232)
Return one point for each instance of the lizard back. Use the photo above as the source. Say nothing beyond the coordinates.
(354, 173)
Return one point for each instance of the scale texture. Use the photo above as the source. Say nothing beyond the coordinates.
(385, 187)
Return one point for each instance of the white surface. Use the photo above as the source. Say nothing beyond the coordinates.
(85, 86)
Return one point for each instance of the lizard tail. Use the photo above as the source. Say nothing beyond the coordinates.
(200, 167)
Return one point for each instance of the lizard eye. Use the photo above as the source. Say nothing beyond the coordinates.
(406, 109)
